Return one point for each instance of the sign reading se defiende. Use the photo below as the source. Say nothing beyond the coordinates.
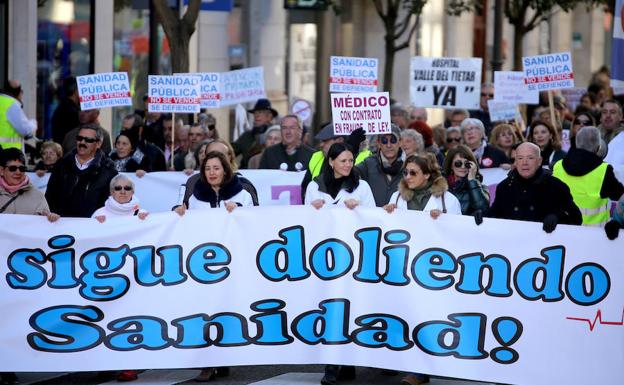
(176, 93)
(353, 74)
(104, 90)
(240, 86)
(370, 111)
(357, 287)
(210, 95)
(548, 72)
(509, 86)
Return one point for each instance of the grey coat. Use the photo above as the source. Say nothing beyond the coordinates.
(30, 201)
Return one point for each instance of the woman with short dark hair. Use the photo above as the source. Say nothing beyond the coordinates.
(465, 181)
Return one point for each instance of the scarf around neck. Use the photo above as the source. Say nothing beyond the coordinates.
(128, 208)
(204, 192)
(420, 197)
(13, 189)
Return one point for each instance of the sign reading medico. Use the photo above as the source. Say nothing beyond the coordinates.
(177, 93)
(445, 82)
(104, 90)
(353, 74)
(548, 72)
(370, 111)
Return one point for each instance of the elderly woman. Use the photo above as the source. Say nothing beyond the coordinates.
(544, 135)
(272, 136)
(453, 138)
(124, 156)
(218, 186)
(412, 142)
(487, 156)
(338, 183)
(50, 153)
(17, 194)
(121, 201)
(423, 188)
(464, 181)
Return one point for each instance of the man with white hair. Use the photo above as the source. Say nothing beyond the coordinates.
(473, 134)
(592, 182)
(531, 193)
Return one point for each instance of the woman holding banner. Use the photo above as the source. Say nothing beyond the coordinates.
(339, 184)
(121, 201)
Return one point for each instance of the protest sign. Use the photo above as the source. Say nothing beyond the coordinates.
(446, 82)
(355, 287)
(548, 72)
(108, 89)
(617, 50)
(303, 109)
(210, 95)
(509, 87)
(240, 86)
(176, 93)
(502, 111)
(370, 111)
(573, 96)
(353, 74)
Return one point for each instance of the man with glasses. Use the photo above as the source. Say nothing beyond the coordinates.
(291, 154)
(14, 125)
(532, 193)
(483, 113)
(382, 171)
(79, 182)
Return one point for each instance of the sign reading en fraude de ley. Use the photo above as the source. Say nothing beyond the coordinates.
(353, 74)
(175, 93)
(548, 72)
(101, 90)
(370, 111)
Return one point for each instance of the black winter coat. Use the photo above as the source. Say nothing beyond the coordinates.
(472, 195)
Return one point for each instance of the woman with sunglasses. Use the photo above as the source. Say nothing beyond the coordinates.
(464, 181)
(121, 201)
(17, 194)
(339, 184)
(423, 188)
(453, 138)
(583, 118)
(547, 138)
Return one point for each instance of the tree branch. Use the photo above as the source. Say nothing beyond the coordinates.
(191, 15)
(167, 17)
(408, 38)
(379, 9)
(402, 26)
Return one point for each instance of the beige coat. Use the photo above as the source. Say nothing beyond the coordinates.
(31, 201)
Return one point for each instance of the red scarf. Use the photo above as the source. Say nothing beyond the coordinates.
(12, 189)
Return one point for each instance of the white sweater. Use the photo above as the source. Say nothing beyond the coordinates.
(434, 203)
(362, 193)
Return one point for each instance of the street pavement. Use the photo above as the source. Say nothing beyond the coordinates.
(241, 375)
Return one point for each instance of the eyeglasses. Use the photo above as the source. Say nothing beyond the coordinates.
(581, 122)
(407, 172)
(486, 94)
(461, 163)
(384, 139)
(119, 188)
(80, 138)
(451, 140)
(14, 168)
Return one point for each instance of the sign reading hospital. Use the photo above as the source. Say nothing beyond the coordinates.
(176, 94)
(353, 74)
(240, 86)
(104, 90)
(509, 87)
(445, 82)
(548, 72)
(370, 111)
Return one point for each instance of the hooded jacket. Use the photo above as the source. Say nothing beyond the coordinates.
(440, 198)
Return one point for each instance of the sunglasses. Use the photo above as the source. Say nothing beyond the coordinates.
(385, 140)
(14, 168)
(451, 140)
(582, 122)
(119, 188)
(486, 94)
(461, 163)
(80, 138)
(409, 172)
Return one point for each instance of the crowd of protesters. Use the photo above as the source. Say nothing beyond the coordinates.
(557, 173)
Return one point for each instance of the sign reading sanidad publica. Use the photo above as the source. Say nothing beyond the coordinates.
(370, 111)
(353, 74)
(175, 93)
(209, 85)
(108, 89)
(548, 72)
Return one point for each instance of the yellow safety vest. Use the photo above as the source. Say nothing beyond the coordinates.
(9, 137)
(316, 161)
(586, 193)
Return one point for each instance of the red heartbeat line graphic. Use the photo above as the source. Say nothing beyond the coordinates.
(598, 319)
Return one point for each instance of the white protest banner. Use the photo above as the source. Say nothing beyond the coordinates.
(573, 96)
(370, 111)
(353, 74)
(240, 86)
(446, 82)
(176, 93)
(509, 87)
(108, 89)
(354, 287)
(209, 86)
(160, 191)
(548, 72)
(502, 111)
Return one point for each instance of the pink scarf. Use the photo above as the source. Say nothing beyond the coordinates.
(12, 189)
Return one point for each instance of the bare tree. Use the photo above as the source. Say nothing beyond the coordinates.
(178, 31)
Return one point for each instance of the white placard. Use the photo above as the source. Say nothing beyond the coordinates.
(573, 96)
(446, 82)
(108, 89)
(354, 287)
(210, 85)
(176, 93)
(370, 111)
(240, 86)
(509, 87)
(303, 109)
(353, 74)
(502, 111)
(548, 72)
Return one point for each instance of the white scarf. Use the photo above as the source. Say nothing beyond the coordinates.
(117, 208)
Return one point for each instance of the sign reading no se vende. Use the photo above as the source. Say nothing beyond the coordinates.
(353, 74)
(548, 72)
(108, 89)
(446, 82)
(370, 111)
(176, 93)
